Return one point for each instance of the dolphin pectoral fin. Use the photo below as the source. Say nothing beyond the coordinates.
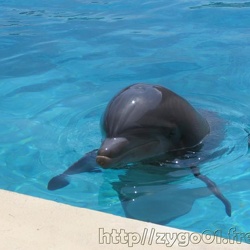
(86, 164)
(213, 188)
(58, 182)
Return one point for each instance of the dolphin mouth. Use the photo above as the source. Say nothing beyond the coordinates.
(116, 162)
(103, 161)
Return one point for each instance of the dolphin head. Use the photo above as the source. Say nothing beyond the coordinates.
(145, 121)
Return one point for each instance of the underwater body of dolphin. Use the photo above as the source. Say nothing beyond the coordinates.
(145, 123)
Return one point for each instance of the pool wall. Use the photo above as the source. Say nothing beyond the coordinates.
(34, 223)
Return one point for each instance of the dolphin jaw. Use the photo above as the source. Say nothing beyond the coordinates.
(103, 161)
(135, 154)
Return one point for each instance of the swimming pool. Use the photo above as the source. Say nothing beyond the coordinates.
(61, 64)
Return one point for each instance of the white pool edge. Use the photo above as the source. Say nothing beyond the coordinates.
(33, 223)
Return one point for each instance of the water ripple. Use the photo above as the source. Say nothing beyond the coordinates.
(223, 5)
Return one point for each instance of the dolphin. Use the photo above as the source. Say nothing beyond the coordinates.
(146, 124)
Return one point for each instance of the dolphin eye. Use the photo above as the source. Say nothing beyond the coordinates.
(172, 133)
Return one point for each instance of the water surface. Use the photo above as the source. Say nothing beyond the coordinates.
(61, 62)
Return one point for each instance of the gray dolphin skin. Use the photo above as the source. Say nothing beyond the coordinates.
(148, 121)
(143, 124)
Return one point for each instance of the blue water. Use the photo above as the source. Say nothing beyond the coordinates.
(62, 61)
